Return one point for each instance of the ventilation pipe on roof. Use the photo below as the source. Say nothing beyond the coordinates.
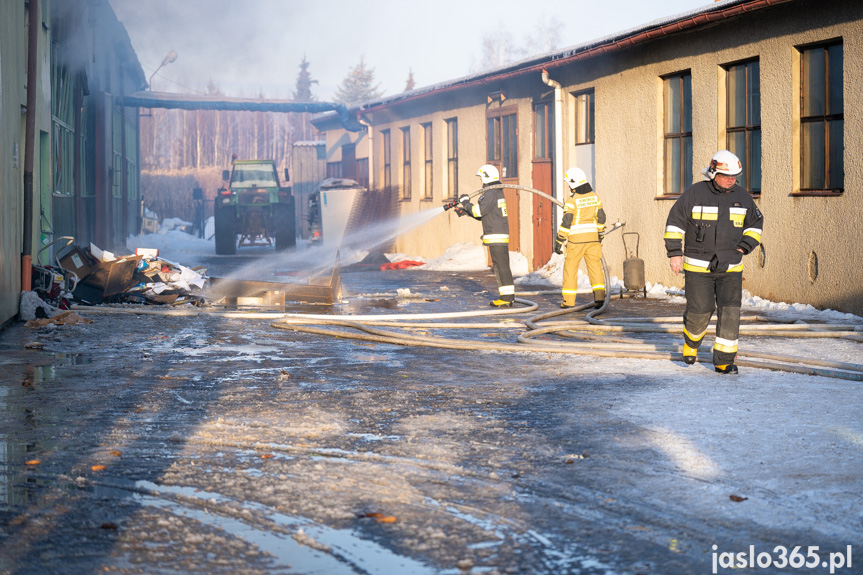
(558, 136)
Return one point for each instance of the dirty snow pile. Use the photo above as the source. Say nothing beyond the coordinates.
(174, 244)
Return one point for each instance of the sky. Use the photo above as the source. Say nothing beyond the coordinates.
(252, 48)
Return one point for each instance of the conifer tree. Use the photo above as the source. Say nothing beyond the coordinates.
(303, 92)
(358, 86)
(300, 122)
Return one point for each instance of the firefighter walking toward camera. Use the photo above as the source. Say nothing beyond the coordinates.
(582, 228)
(490, 209)
(710, 227)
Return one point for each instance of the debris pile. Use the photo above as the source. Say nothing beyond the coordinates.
(142, 278)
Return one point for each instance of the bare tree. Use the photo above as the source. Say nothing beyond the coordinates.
(500, 47)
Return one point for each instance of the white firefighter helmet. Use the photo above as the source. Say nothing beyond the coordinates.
(488, 173)
(723, 162)
(575, 177)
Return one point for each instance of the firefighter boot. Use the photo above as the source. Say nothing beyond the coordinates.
(689, 354)
(728, 368)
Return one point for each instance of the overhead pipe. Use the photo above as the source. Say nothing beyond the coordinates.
(30, 145)
(226, 103)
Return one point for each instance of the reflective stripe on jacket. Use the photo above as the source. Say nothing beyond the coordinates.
(490, 209)
(583, 219)
(707, 226)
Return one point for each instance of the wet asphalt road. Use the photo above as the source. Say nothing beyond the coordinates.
(159, 444)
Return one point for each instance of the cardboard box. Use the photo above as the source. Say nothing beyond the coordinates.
(115, 276)
(79, 262)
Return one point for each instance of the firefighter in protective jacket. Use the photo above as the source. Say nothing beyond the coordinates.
(490, 209)
(582, 228)
(711, 226)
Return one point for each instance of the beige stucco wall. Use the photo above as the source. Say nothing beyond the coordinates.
(468, 106)
(629, 148)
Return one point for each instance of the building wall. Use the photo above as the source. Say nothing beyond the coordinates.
(308, 169)
(628, 149)
(469, 107)
(98, 55)
(13, 100)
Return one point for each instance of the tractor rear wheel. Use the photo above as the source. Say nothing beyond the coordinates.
(283, 226)
(226, 232)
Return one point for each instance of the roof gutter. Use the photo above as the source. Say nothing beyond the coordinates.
(562, 59)
(558, 134)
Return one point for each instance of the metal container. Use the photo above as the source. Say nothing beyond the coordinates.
(633, 267)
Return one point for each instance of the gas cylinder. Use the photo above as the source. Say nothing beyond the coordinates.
(633, 267)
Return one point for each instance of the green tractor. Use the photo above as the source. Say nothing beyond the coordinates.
(254, 206)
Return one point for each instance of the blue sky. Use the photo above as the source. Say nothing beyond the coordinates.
(249, 48)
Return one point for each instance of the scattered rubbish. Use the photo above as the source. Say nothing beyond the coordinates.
(63, 318)
(32, 462)
(98, 468)
(386, 519)
(52, 282)
(402, 265)
(571, 458)
(93, 276)
(319, 289)
(379, 517)
(737, 498)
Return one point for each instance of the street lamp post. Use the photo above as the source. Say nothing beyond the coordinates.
(169, 57)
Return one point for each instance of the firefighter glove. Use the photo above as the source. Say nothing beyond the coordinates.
(558, 247)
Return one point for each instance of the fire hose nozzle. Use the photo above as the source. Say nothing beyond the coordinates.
(450, 205)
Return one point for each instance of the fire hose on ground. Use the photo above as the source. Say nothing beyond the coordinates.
(610, 347)
(366, 328)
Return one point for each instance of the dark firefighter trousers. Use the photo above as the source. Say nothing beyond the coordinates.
(502, 272)
(704, 293)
